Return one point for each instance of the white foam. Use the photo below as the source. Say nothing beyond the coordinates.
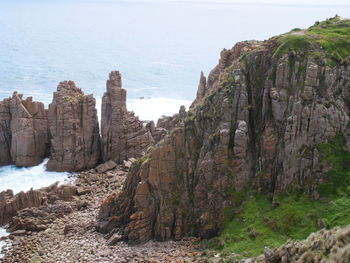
(23, 179)
(153, 108)
(2, 243)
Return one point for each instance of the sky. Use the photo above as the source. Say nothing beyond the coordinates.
(331, 3)
(279, 2)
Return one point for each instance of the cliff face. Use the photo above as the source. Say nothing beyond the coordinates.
(123, 134)
(5, 132)
(29, 131)
(24, 131)
(74, 128)
(267, 107)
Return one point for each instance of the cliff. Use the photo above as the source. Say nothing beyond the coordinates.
(267, 107)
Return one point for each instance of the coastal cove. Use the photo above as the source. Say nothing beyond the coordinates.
(128, 134)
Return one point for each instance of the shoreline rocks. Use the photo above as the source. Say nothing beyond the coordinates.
(65, 230)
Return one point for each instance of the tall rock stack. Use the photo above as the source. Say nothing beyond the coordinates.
(123, 134)
(74, 128)
(5, 132)
(23, 131)
(29, 131)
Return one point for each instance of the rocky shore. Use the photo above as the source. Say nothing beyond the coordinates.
(72, 237)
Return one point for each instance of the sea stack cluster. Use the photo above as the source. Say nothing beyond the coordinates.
(68, 133)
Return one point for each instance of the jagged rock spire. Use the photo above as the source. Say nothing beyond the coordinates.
(74, 128)
(123, 134)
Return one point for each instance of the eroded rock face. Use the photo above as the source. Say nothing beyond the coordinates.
(170, 122)
(258, 127)
(74, 128)
(5, 132)
(123, 134)
(23, 131)
(29, 130)
(201, 91)
(11, 204)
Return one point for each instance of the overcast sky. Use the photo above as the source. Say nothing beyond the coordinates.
(280, 2)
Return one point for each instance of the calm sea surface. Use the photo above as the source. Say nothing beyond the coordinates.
(160, 49)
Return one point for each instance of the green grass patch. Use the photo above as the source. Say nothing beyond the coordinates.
(258, 223)
(292, 43)
(328, 39)
(333, 35)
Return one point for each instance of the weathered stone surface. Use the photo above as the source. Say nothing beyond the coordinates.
(168, 123)
(123, 134)
(29, 131)
(109, 165)
(5, 132)
(258, 127)
(74, 128)
(23, 131)
(202, 90)
(11, 204)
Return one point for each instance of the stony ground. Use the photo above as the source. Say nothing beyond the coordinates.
(73, 238)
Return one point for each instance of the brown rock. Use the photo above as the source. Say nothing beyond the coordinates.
(123, 134)
(258, 126)
(29, 131)
(5, 132)
(73, 124)
(109, 165)
(23, 131)
(11, 204)
(202, 90)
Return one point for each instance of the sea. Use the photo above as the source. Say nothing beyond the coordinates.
(160, 48)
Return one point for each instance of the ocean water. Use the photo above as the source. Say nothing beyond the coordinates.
(2, 243)
(23, 179)
(159, 47)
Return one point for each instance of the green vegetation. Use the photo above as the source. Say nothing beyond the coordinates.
(295, 216)
(292, 43)
(329, 39)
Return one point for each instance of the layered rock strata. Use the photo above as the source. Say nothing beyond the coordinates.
(259, 125)
(123, 134)
(11, 204)
(23, 131)
(74, 129)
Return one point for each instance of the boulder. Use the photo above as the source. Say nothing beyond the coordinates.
(109, 165)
